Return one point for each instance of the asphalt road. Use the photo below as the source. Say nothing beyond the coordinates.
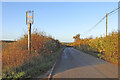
(76, 64)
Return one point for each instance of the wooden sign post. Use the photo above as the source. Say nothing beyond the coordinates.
(29, 22)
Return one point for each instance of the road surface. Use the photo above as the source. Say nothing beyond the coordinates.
(76, 64)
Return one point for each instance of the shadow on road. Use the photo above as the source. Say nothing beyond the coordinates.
(74, 63)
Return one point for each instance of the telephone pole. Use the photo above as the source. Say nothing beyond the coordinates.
(106, 24)
(29, 22)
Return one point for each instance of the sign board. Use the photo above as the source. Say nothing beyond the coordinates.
(29, 17)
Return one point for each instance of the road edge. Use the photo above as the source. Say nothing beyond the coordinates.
(49, 73)
(53, 68)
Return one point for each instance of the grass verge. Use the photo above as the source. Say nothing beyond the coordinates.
(88, 50)
(34, 68)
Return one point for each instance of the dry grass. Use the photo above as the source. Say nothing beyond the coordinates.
(17, 62)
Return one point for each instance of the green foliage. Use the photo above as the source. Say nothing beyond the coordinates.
(103, 47)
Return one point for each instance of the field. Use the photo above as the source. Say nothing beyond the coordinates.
(18, 63)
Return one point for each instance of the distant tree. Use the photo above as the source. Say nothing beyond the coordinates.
(77, 37)
(91, 37)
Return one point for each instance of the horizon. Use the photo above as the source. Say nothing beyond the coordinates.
(61, 20)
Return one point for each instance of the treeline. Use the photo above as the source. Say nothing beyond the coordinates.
(18, 63)
(102, 47)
